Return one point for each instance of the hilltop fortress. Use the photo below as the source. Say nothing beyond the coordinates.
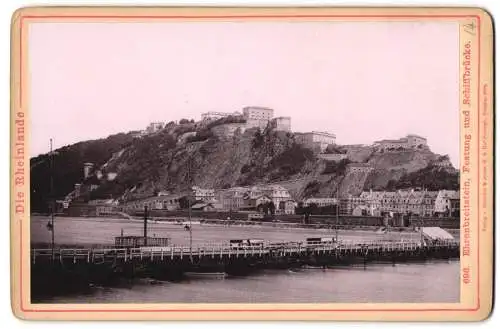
(261, 117)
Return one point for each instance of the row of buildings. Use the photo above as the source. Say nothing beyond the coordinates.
(423, 203)
(443, 203)
(232, 199)
(255, 198)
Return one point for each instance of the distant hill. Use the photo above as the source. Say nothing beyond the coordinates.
(156, 162)
(68, 167)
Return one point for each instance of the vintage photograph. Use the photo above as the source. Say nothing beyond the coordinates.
(244, 161)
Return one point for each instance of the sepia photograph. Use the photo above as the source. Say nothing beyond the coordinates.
(244, 162)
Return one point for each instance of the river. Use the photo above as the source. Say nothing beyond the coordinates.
(429, 282)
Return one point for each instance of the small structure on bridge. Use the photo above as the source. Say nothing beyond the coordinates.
(436, 234)
(140, 241)
(134, 241)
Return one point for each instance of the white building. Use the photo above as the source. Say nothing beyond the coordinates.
(447, 202)
(409, 142)
(258, 112)
(257, 116)
(232, 199)
(316, 140)
(278, 195)
(154, 127)
(239, 197)
(201, 194)
(87, 169)
(281, 124)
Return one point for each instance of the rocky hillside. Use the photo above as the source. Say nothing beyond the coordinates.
(162, 161)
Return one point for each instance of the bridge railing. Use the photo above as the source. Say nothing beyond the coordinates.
(223, 249)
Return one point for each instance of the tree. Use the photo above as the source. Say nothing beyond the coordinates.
(272, 208)
(200, 136)
(169, 125)
(306, 217)
(307, 214)
(313, 208)
(245, 168)
(258, 139)
(260, 208)
(184, 202)
(67, 167)
(183, 121)
(333, 167)
(334, 149)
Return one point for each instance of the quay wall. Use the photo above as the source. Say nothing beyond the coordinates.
(314, 219)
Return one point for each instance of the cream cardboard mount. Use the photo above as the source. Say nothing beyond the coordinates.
(192, 163)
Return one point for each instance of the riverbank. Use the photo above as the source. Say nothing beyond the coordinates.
(101, 231)
(276, 224)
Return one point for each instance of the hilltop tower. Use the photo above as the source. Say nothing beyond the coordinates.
(87, 168)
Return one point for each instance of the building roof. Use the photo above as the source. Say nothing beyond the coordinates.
(197, 188)
(201, 205)
(413, 135)
(322, 133)
(314, 200)
(102, 201)
(257, 107)
(156, 198)
(221, 113)
(436, 233)
(353, 145)
(364, 165)
(401, 140)
(450, 194)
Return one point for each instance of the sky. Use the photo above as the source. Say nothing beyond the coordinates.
(363, 81)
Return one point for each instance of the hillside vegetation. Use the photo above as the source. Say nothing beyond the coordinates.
(158, 162)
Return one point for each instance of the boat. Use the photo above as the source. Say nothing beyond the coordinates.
(206, 275)
(310, 267)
